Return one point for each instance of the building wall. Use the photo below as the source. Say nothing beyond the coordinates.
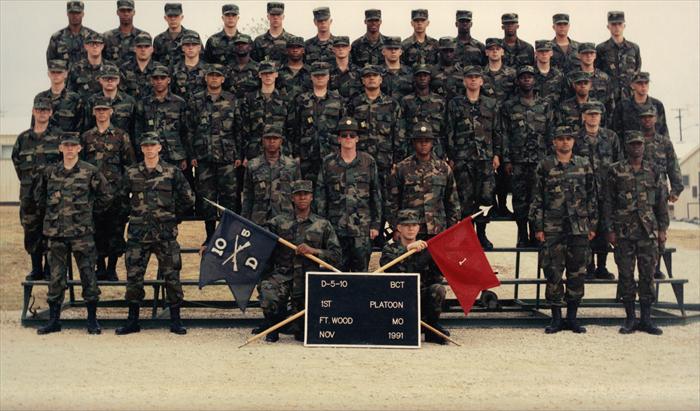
(688, 205)
(9, 184)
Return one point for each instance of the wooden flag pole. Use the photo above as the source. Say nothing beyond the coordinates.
(273, 328)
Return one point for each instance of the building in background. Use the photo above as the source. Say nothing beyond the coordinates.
(687, 208)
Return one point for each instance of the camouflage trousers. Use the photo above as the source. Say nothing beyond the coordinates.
(561, 252)
(275, 293)
(523, 182)
(33, 226)
(83, 250)
(476, 182)
(355, 253)
(169, 265)
(109, 228)
(217, 182)
(431, 299)
(646, 253)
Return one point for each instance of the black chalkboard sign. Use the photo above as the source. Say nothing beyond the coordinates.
(362, 310)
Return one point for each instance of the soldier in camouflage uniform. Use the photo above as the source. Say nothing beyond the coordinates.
(618, 57)
(601, 86)
(294, 76)
(285, 276)
(368, 48)
(564, 212)
(120, 42)
(468, 50)
(136, 72)
(419, 47)
(636, 216)
(518, 52)
(397, 78)
(220, 47)
(84, 74)
(424, 105)
(320, 46)
(188, 74)
(569, 112)
(167, 46)
(601, 147)
(165, 114)
(349, 196)
(67, 194)
(345, 76)
(215, 126)
(67, 106)
(626, 116)
(267, 186)
(565, 50)
(549, 81)
(67, 43)
(474, 148)
(527, 123)
(273, 43)
(314, 116)
(110, 150)
(160, 196)
(446, 76)
(35, 149)
(242, 77)
(432, 292)
(424, 183)
(123, 105)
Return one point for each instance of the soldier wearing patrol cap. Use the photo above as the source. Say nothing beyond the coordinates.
(636, 218)
(565, 50)
(84, 74)
(220, 47)
(618, 57)
(320, 46)
(285, 278)
(67, 106)
(272, 44)
(432, 291)
(368, 48)
(626, 116)
(569, 112)
(123, 105)
(397, 79)
(549, 80)
(167, 46)
(345, 75)
(446, 75)
(67, 194)
(67, 43)
(119, 42)
(242, 76)
(34, 150)
(499, 78)
(424, 105)
(518, 52)
(468, 50)
(137, 71)
(187, 76)
(348, 194)
(601, 85)
(419, 47)
(293, 75)
(564, 212)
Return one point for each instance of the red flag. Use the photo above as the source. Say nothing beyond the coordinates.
(458, 254)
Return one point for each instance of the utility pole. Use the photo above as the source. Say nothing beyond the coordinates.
(680, 122)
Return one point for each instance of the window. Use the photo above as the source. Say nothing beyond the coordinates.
(686, 180)
(695, 191)
(6, 152)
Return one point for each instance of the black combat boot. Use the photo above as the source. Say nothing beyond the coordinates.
(264, 325)
(533, 239)
(645, 323)
(36, 274)
(433, 323)
(522, 234)
(481, 235)
(602, 272)
(176, 322)
(557, 324)
(93, 327)
(132, 323)
(630, 323)
(111, 274)
(571, 323)
(659, 275)
(502, 201)
(54, 324)
(101, 270)
(431, 337)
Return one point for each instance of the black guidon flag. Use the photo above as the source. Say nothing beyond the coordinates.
(237, 252)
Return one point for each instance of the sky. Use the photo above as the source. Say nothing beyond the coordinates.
(667, 32)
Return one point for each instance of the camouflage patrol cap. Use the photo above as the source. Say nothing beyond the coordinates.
(42, 103)
(70, 137)
(422, 130)
(102, 101)
(295, 41)
(647, 111)
(347, 124)
(564, 131)
(472, 71)
(215, 69)
(373, 14)
(320, 68)
(242, 38)
(173, 9)
(593, 106)
(192, 37)
(341, 41)
(299, 186)
(493, 41)
(143, 39)
(75, 6)
(421, 68)
(419, 14)
(586, 47)
(94, 37)
(160, 71)
(560, 18)
(58, 65)
(149, 137)
(616, 16)
(634, 136)
(446, 42)
(641, 77)
(322, 13)
(579, 76)
(109, 71)
(509, 18)
(125, 4)
(267, 66)
(271, 130)
(392, 42)
(370, 69)
(463, 15)
(407, 216)
(275, 7)
(525, 70)
(543, 45)
(229, 9)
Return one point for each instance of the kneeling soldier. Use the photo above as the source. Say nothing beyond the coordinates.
(67, 194)
(160, 196)
(635, 210)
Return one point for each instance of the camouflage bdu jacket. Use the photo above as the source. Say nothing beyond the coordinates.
(565, 61)
(242, 80)
(68, 198)
(188, 81)
(135, 82)
(659, 151)
(317, 50)
(635, 205)
(398, 83)
(363, 52)
(214, 127)
(526, 130)
(119, 47)
(168, 50)
(313, 122)
(550, 86)
(221, 49)
(471, 53)
(267, 188)
(123, 116)
(168, 118)
(111, 152)
(272, 48)
(601, 90)
(83, 78)
(30, 155)
(348, 83)
(294, 83)
(430, 109)
(520, 54)
(67, 109)
(427, 187)
(473, 129)
(159, 198)
(418, 263)
(349, 195)
(499, 84)
(414, 52)
(569, 113)
(626, 115)
(564, 197)
(621, 61)
(258, 111)
(64, 45)
(447, 81)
